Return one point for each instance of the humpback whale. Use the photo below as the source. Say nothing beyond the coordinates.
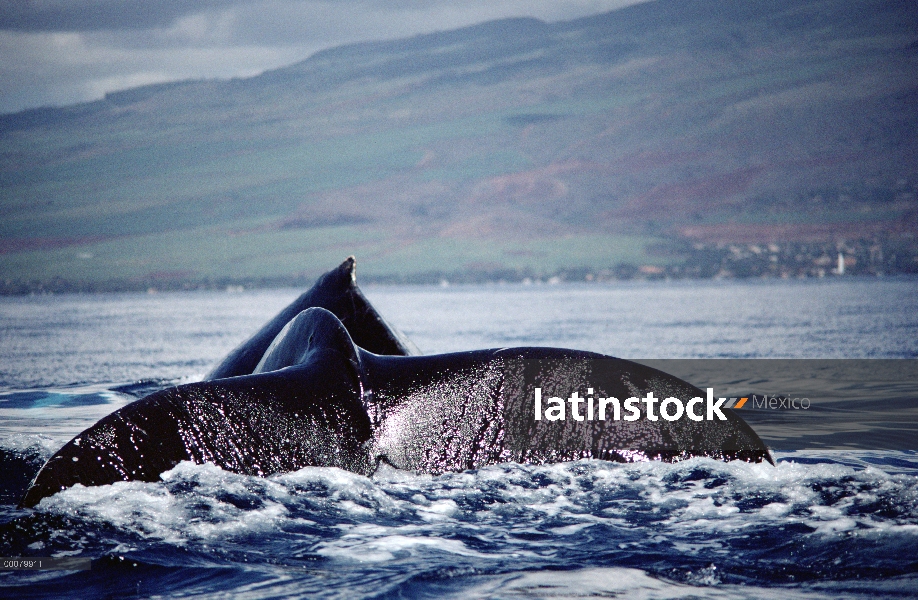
(303, 392)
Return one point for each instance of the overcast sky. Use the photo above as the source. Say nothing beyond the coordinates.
(58, 52)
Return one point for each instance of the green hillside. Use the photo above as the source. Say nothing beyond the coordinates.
(512, 147)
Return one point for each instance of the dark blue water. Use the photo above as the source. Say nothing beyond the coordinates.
(821, 524)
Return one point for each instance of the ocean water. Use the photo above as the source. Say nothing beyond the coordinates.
(819, 524)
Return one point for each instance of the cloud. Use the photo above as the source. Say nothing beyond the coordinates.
(95, 15)
(67, 51)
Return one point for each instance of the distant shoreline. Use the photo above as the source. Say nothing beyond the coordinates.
(55, 287)
(699, 261)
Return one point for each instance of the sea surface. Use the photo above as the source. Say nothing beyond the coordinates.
(819, 524)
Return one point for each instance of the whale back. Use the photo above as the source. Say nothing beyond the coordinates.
(312, 331)
(337, 292)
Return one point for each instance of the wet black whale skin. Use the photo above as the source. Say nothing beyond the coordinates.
(315, 398)
(337, 292)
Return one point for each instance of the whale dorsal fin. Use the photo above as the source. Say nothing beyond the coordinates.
(337, 292)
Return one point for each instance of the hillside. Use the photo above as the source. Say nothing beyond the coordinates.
(508, 148)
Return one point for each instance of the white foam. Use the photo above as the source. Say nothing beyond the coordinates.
(30, 443)
(358, 547)
(505, 506)
(153, 511)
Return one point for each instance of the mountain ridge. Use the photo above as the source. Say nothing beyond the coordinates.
(660, 125)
